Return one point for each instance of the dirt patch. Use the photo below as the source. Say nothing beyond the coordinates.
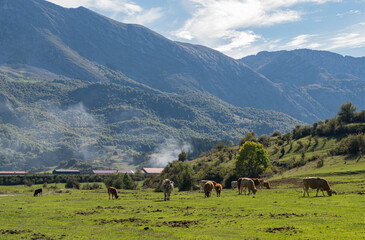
(40, 236)
(281, 229)
(131, 220)
(285, 215)
(182, 223)
(86, 212)
(2, 231)
(114, 207)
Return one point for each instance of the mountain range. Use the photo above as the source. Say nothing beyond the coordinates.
(74, 83)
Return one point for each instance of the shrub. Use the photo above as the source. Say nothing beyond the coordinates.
(72, 183)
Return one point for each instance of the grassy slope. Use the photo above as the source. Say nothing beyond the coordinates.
(280, 213)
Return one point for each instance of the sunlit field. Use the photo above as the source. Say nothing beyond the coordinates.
(278, 213)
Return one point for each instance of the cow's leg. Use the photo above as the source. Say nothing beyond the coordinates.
(317, 192)
(168, 196)
(109, 195)
(323, 193)
(164, 196)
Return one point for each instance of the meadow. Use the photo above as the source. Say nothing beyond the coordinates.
(278, 213)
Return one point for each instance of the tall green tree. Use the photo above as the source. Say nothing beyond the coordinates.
(252, 160)
(347, 112)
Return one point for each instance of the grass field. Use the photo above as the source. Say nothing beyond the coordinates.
(279, 213)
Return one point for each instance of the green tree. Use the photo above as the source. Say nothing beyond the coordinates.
(182, 156)
(347, 112)
(128, 182)
(248, 137)
(252, 160)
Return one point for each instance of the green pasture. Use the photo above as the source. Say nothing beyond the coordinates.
(279, 213)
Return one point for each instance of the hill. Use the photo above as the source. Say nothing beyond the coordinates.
(41, 37)
(75, 86)
(331, 148)
(318, 81)
(45, 122)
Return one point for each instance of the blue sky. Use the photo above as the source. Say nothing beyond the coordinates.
(244, 27)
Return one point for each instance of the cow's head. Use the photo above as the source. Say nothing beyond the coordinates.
(254, 190)
(331, 191)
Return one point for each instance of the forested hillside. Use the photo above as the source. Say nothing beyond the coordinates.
(44, 123)
(334, 146)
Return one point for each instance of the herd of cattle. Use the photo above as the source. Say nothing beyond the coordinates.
(243, 184)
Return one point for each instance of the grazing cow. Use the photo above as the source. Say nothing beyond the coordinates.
(113, 191)
(202, 183)
(218, 189)
(167, 186)
(258, 181)
(317, 183)
(266, 184)
(233, 184)
(208, 188)
(38, 192)
(246, 183)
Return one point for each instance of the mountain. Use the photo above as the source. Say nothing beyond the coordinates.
(318, 81)
(81, 44)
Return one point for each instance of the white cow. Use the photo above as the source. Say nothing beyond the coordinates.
(167, 186)
(234, 184)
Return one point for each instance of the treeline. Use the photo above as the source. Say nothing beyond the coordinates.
(50, 178)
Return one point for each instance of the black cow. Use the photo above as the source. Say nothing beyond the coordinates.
(38, 192)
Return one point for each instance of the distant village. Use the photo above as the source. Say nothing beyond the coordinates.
(100, 172)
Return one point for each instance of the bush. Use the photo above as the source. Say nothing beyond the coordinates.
(72, 183)
(353, 144)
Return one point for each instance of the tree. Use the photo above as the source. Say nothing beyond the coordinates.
(182, 156)
(248, 137)
(347, 112)
(128, 182)
(252, 160)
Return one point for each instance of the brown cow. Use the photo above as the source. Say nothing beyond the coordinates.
(246, 183)
(317, 183)
(208, 188)
(218, 189)
(113, 191)
(258, 181)
(266, 184)
(202, 183)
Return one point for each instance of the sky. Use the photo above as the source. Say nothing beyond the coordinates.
(239, 28)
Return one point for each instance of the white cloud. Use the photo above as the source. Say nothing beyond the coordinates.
(225, 24)
(123, 10)
(113, 6)
(145, 17)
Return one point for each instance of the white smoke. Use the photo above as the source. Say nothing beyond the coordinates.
(168, 152)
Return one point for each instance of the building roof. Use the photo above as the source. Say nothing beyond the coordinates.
(104, 171)
(152, 170)
(67, 170)
(112, 171)
(12, 172)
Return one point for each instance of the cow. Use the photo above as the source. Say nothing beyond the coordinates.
(246, 183)
(208, 188)
(202, 183)
(167, 186)
(233, 184)
(266, 184)
(258, 181)
(38, 192)
(113, 191)
(317, 183)
(218, 189)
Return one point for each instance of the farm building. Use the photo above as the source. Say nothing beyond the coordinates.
(152, 170)
(13, 172)
(112, 171)
(66, 171)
